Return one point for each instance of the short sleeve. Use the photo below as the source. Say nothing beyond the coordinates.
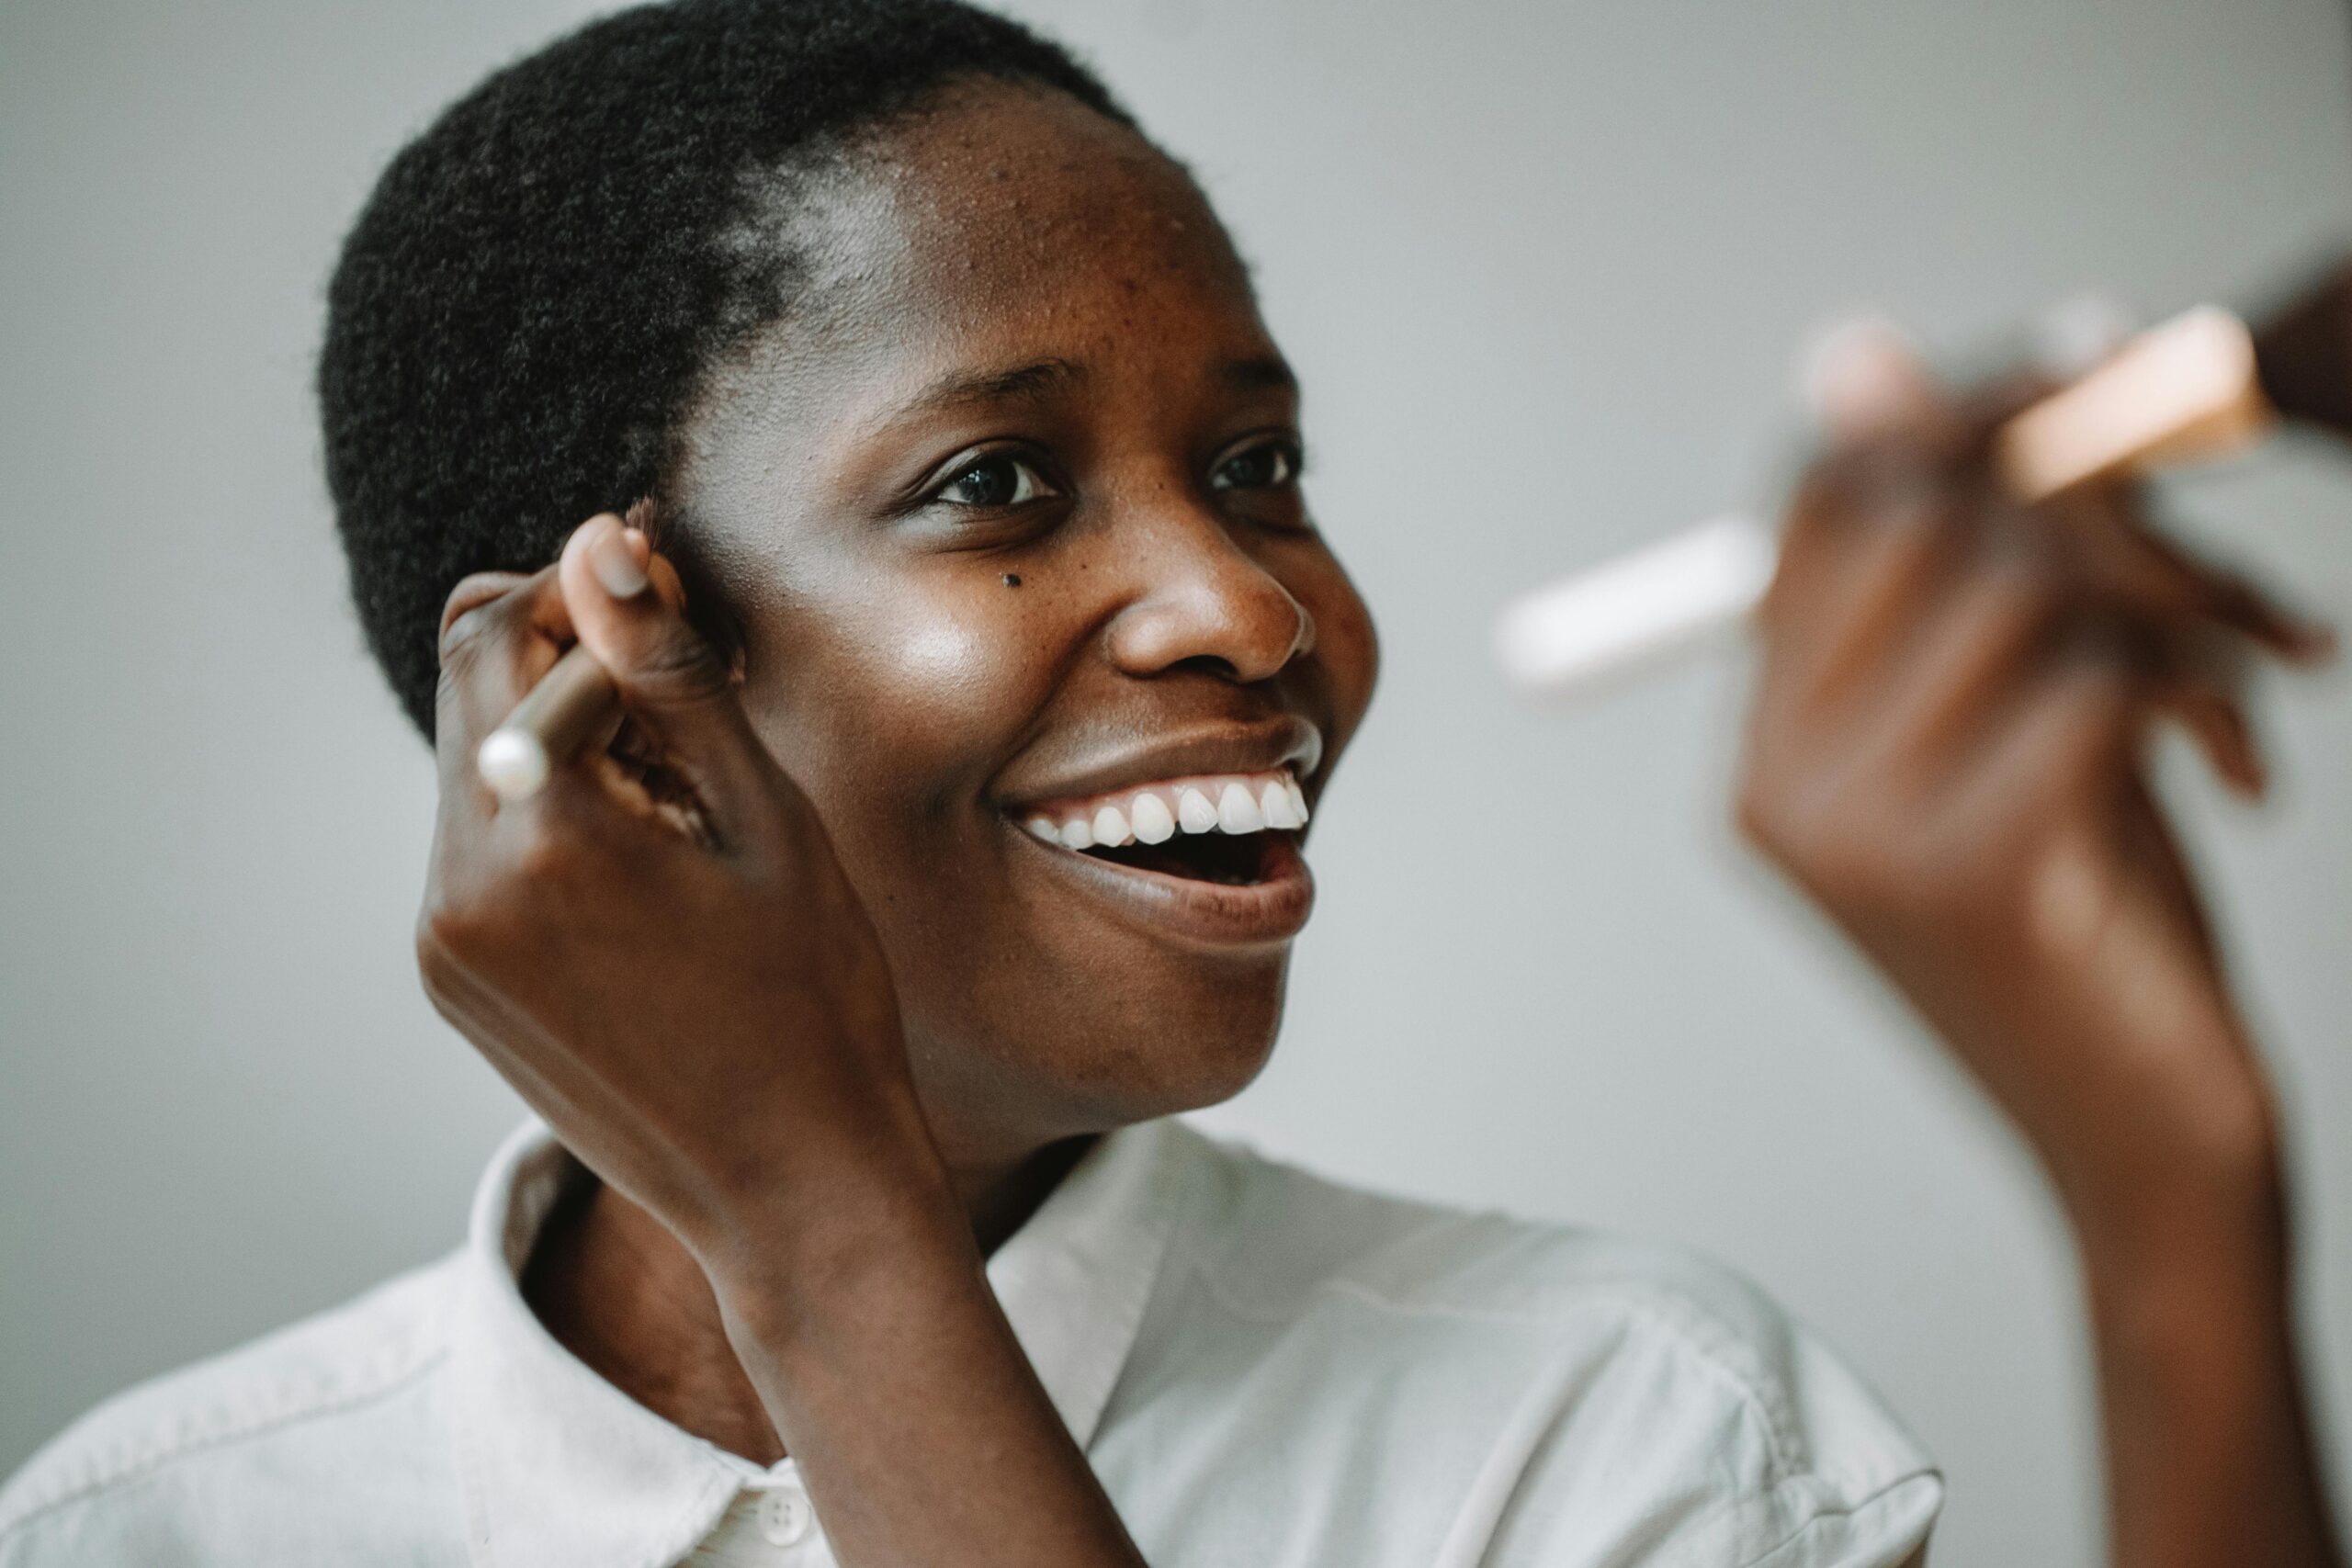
(1708, 1443)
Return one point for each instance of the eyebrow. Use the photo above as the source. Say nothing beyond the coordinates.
(1255, 373)
(1258, 373)
(992, 386)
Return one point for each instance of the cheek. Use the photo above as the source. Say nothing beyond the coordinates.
(893, 709)
(944, 664)
(1345, 642)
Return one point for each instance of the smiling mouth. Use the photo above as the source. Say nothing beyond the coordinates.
(1230, 830)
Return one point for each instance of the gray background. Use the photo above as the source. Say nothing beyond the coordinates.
(1541, 267)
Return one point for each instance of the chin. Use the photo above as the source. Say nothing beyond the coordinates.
(1200, 1046)
(1098, 1061)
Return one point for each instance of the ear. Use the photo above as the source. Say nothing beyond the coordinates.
(706, 609)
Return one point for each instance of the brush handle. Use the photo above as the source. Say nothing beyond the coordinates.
(2186, 390)
(554, 719)
(2181, 392)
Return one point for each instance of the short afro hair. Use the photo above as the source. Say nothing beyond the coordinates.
(526, 305)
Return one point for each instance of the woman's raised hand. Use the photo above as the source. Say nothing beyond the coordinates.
(661, 951)
(658, 951)
(1947, 751)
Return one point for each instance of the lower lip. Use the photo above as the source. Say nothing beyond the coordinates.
(1212, 914)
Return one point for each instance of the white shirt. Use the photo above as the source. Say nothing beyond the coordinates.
(1264, 1368)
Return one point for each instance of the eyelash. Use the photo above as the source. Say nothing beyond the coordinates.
(1027, 470)
(1284, 450)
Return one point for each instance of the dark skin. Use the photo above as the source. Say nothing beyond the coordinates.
(827, 1024)
(1947, 752)
(861, 766)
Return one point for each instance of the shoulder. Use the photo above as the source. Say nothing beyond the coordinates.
(1601, 1355)
(159, 1472)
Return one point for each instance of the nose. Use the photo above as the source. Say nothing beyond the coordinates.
(1203, 602)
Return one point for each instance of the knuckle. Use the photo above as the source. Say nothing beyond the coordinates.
(1900, 466)
(1859, 875)
(2011, 593)
(471, 923)
(546, 861)
(1864, 873)
(458, 638)
(1751, 818)
(480, 619)
(453, 928)
(679, 666)
(449, 695)
(1757, 813)
(1771, 819)
(447, 933)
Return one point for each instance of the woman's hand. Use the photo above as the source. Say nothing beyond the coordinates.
(1947, 753)
(660, 953)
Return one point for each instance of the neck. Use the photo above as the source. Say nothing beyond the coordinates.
(620, 1292)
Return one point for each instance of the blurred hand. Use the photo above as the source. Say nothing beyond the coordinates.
(1948, 751)
(658, 951)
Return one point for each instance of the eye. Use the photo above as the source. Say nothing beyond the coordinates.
(994, 480)
(1269, 465)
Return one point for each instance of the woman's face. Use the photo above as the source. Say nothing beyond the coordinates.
(1007, 514)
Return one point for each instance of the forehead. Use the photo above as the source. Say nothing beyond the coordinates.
(1004, 220)
(1001, 195)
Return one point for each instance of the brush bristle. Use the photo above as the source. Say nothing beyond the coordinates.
(2303, 353)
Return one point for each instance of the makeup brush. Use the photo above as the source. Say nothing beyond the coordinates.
(2201, 386)
(573, 700)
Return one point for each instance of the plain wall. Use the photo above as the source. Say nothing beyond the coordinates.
(1542, 267)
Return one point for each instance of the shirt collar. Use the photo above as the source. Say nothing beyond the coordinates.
(561, 1469)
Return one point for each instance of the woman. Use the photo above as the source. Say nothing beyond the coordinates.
(981, 670)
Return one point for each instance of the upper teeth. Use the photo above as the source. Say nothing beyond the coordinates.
(1242, 803)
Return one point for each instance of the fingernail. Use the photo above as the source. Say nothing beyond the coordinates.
(614, 560)
(1863, 375)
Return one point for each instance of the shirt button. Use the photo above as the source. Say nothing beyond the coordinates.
(784, 1516)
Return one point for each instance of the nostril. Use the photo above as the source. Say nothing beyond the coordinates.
(1208, 664)
(1223, 614)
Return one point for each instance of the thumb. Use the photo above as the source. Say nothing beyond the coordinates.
(1863, 378)
(628, 605)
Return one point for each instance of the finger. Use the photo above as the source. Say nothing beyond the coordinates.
(1968, 660)
(2058, 753)
(2214, 717)
(1863, 378)
(1995, 644)
(2191, 625)
(2150, 569)
(501, 632)
(1869, 529)
(1994, 634)
(2198, 679)
(1914, 557)
(1887, 536)
(629, 606)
